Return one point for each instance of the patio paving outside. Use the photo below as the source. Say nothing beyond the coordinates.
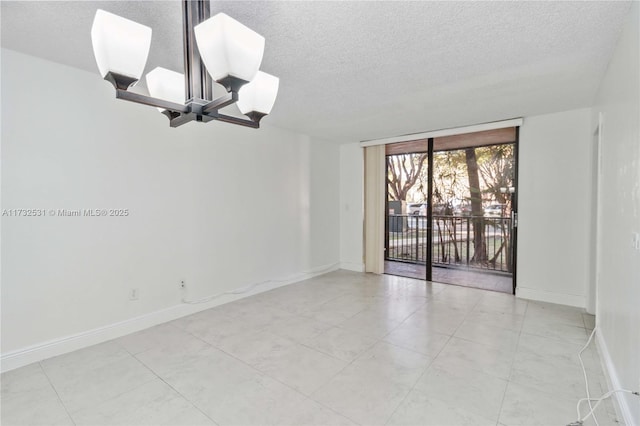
(463, 277)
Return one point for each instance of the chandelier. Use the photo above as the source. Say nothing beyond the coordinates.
(216, 48)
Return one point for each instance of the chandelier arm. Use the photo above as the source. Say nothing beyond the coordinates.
(171, 114)
(180, 120)
(221, 102)
(236, 120)
(148, 100)
(184, 118)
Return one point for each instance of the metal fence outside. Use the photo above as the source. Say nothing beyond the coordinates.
(452, 241)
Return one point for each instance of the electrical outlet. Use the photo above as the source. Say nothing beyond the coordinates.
(183, 286)
(133, 294)
(635, 240)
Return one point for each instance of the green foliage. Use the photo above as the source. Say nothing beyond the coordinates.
(496, 166)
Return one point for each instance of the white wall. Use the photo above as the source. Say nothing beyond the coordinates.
(554, 190)
(351, 206)
(618, 305)
(217, 205)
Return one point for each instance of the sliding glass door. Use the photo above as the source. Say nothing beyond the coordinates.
(452, 209)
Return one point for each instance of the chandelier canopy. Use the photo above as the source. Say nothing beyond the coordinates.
(216, 48)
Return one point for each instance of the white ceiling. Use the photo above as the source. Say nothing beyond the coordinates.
(356, 70)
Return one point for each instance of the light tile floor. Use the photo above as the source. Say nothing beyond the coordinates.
(341, 349)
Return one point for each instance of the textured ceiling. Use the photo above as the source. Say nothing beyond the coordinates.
(353, 71)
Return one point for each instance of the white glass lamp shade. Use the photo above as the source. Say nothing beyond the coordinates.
(166, 85)
(259, 95)
(120, 46)
(228, 48)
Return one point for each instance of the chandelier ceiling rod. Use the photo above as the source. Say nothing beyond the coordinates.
(217, 36)
(198, 84)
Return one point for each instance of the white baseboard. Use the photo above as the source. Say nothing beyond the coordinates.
(24, 356)
(623, 408)
(551, 297)
(352, 266)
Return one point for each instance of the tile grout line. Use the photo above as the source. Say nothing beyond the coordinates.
(162, 379)
(410, 390)
(504, 396)
(558, 340)
(179, 393)
(339, 326)
(56, 391)
(428, 366)
(187, 399)
(269, 376)
(377, 341)
(102, 366)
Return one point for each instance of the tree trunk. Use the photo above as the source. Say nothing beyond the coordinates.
(479, 245)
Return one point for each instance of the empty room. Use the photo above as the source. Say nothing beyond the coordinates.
(320, 213)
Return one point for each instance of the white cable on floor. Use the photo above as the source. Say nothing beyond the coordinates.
(592, 408)
(250, 287)
(586, 380)
(599, 400)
